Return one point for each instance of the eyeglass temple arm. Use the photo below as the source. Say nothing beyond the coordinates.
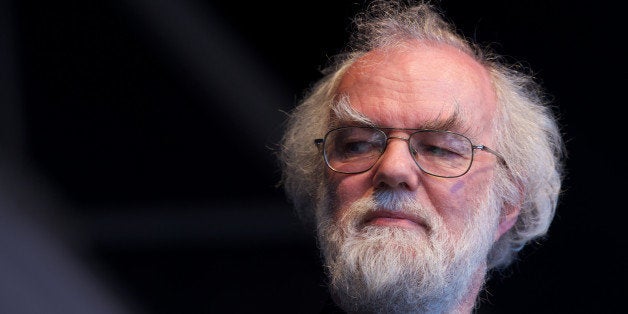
(319, 143)
(498, 155)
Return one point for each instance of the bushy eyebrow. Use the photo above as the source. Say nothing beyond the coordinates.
(344, 114)
(452, 122)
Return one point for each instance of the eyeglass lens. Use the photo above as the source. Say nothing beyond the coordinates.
(357, 149)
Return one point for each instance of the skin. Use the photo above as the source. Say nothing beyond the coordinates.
(408, 87)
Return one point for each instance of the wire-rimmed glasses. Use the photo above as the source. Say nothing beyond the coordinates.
(356, 149)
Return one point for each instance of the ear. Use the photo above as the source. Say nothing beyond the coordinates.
(510, 212)
(507, 219)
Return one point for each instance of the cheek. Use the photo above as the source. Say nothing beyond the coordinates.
(449, 201)
(346, 189)
(456, 200)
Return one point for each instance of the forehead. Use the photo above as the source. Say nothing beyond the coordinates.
(410, 85)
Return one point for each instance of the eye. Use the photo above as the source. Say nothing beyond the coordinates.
(439, 145)
(358, 148)
(436, 151)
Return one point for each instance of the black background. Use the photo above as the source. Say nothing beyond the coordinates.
(151, 126)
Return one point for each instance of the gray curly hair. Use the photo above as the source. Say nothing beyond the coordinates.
(527, 131)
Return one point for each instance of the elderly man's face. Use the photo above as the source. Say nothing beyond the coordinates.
(395, 220)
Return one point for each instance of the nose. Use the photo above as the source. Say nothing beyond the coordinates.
(396, 168)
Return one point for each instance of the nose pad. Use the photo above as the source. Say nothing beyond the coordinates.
(413, 151)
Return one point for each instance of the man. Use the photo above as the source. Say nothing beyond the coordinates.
(422, 162)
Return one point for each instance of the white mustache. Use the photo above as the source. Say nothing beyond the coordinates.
(395, 201)
(398, 204)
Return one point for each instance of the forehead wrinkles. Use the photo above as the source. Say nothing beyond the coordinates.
(407, 105)
(345, 114)
(420, 83)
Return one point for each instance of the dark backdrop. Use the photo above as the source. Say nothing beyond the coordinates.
(138, 139)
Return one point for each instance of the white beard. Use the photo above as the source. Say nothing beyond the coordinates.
(375, 269)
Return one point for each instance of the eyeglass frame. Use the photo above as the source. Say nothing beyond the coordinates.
(319, 142)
